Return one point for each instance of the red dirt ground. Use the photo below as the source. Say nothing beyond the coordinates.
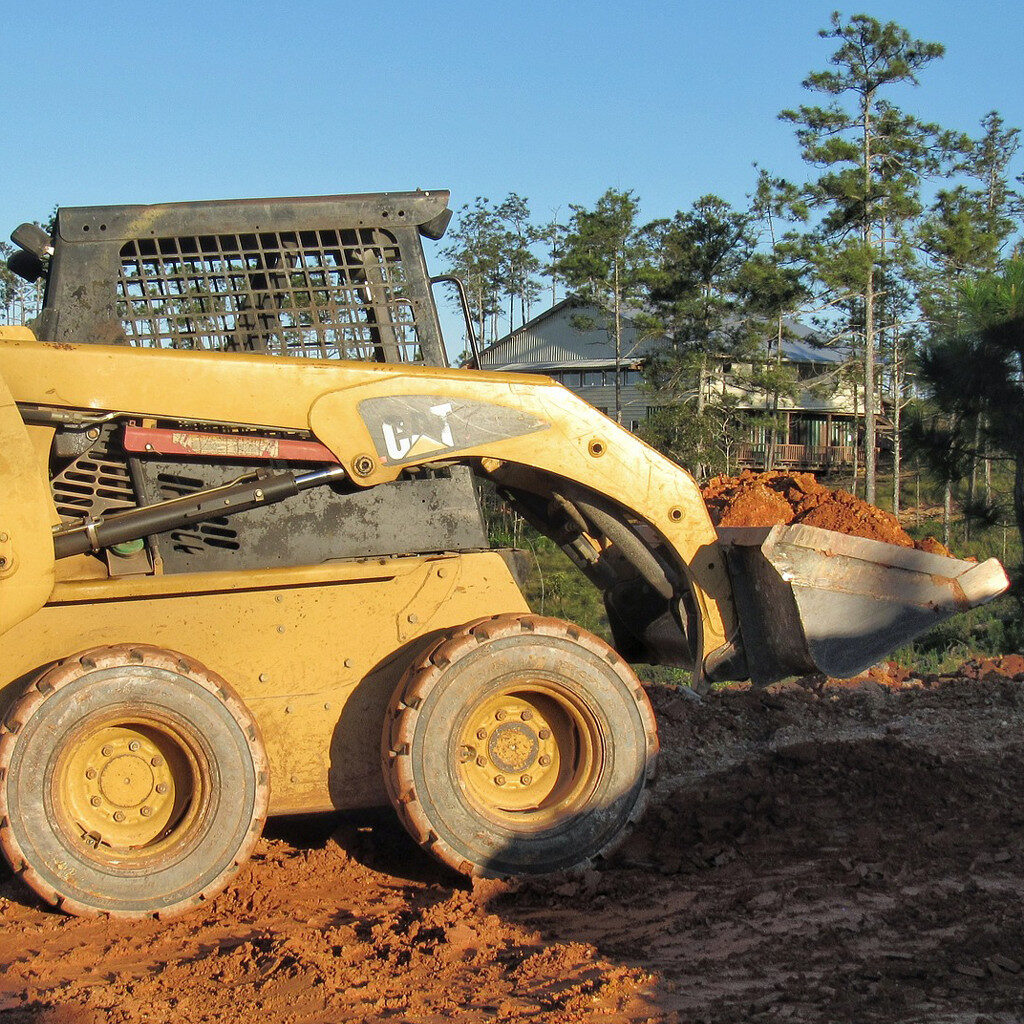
(812, 853)
(771, 499)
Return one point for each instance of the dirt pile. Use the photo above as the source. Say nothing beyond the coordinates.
(1005, 666)
(810, 855)
(772, 499)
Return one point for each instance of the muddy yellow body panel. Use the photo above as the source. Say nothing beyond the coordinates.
(314, 652)
(26, 512)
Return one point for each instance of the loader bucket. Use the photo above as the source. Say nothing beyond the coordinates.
(812, 600)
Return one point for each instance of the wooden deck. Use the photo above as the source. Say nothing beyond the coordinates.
(796, 456)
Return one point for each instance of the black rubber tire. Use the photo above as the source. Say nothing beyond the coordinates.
(481, 661)
(139, 685)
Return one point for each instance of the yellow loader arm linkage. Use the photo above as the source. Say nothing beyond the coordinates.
(531, 435)
(528, 433)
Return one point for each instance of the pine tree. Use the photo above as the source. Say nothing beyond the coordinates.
(872, 155)
(965, 233)
(474, 253)
(773, 286)
(975, 375)
(517, 263)
(604, 261)
(693, 295)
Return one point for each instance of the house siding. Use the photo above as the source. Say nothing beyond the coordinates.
(554, 345)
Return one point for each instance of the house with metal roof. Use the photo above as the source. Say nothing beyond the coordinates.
(571, 343)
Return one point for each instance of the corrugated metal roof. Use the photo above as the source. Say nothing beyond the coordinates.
(552, 339)
(575, 364)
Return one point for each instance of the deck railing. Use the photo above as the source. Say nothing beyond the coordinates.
(795, 456)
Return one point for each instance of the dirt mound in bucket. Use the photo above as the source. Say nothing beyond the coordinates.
(772, 499)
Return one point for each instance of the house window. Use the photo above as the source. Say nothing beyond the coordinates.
(592, 378)
(630, 377)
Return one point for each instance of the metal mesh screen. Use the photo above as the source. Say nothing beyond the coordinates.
(327, 294)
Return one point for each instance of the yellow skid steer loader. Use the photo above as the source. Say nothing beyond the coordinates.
(243, 569)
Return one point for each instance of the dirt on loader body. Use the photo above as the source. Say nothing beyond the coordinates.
(812, 853)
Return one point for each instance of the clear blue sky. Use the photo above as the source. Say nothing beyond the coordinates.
(150, 102)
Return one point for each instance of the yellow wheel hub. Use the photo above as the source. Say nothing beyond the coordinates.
(528, 753)
(125, 786)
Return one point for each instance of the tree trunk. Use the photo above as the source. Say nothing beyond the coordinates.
(482, 333)
(869, 316)
(1018, 492)
(618, 349)
(972, 482)
(897, 456)
(856, 443)
(769, 460)
(947, 511)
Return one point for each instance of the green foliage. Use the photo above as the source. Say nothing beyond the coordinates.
(605, 262)
(692, 281)
(967, 228)
(604, 257)
(490, 248)
(991, 630)
(704, 442)
(693, 295)
(473, 253)
(556, 587)
(974, 373)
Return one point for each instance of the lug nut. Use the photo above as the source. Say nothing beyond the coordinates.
(161, 787)
(499, 780)
(156, 762)
(95, 801)
(544, 760)
(107, 751)
(481, 761)
(146, 811)
(545, 734)
(501, 715)
(526, 714)
(90, 773)
(481, 734)
(133, 746)
(526, 780)
(118, 815)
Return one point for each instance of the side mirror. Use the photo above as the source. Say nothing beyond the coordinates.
(26, 265)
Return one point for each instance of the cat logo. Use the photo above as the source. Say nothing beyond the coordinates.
(414, 428)
(402, 439)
